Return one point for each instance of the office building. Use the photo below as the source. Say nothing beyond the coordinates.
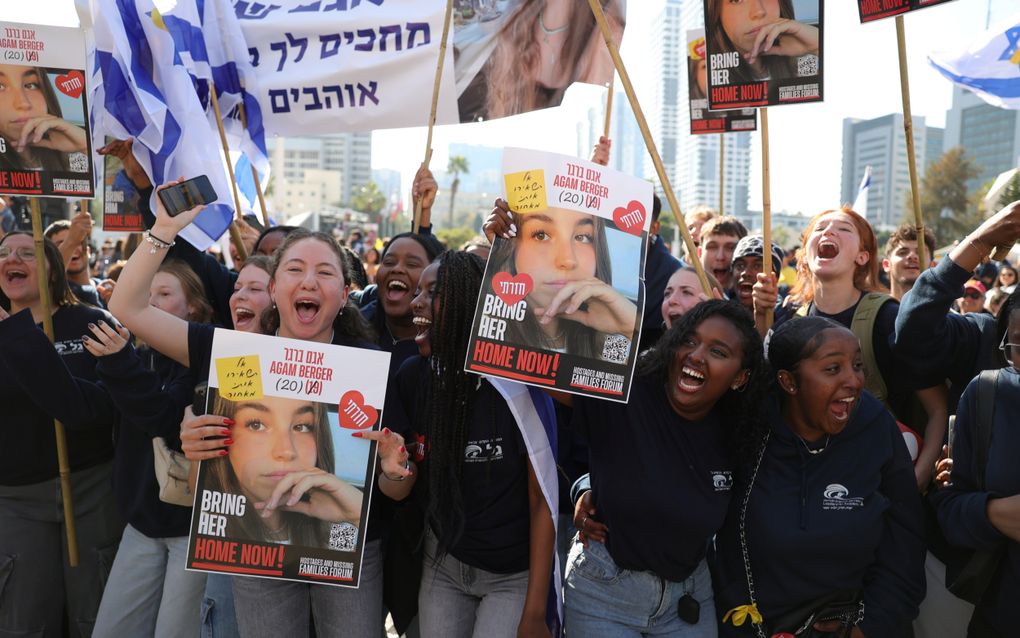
(989, 135)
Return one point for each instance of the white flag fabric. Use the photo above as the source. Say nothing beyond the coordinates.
(861, 203)
(989, 66)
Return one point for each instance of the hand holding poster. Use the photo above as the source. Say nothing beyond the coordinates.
(763, 53)
(44, 137)
(290, 499)
(702, 120)
(871, 10)
(561, 303)
(120, 197)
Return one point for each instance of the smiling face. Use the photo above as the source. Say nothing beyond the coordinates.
(902, 265)
(681, 295)
(973, 300)
(716, 252)
(555, 248)
(398, 276)
(425, 306)
(833, 248)
(745, 273)
(21, 98)
(706, 365)
(272, 438)
(167, 294)
(742, 19)
(825, 387)
(250, 298)
(77, 264)
(309, 290)
(1007, 276)
(18, 270)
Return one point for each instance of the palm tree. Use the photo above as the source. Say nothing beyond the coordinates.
(458, 164)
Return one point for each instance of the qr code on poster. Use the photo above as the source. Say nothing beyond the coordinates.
(616, 349)
(807, 65)
(78, 162)
(343, 537)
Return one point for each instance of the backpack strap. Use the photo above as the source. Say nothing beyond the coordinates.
(863, 327)
(982, 440)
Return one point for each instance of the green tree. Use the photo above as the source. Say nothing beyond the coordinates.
(946, 204)
(457, 165)
(1011, 193)
(454, 238)
(368, 199)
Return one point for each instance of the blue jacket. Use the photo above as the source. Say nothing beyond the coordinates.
(962, 509)
(846, 518)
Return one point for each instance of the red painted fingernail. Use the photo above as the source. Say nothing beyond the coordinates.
(386, 430)
(227, 421)
(228, 442)
(224, 452)
(356, 434)
(403, 449)
(225, 432)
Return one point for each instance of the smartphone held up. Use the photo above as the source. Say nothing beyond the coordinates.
(186, 195)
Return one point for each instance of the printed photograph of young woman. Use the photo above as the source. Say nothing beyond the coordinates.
(282, 459)
(525, 57)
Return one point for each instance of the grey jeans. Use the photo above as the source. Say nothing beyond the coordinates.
(275, 608)
(457, 600)
(38, 588)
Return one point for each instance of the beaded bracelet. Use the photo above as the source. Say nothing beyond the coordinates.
(157, 243)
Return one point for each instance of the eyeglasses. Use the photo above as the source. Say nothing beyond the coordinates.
(1007, 347)
(24, 253)
(973, 295)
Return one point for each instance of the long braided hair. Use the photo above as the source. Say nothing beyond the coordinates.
(449, 397)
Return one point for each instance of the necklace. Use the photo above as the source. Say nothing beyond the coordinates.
(819, 450)
(546, 32)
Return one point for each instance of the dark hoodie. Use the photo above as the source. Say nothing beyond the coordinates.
(846, 518)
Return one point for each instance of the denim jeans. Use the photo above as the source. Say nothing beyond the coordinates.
(278, 608)
(149, 592)
(609, 602)
(460, 601)
(218, 619)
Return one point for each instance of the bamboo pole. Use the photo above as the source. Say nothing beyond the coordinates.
(908, 131)
(660, 170)
(766, 207)
(235, 235)
(722, 172)
(255, 173)
(609, 111)
(435, 104)
(63, 464)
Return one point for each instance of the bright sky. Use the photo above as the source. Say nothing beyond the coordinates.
(861, 80)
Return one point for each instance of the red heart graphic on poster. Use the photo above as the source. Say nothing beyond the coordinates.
(355, 414)
(512, 289)
(630, 219)
(71, 84)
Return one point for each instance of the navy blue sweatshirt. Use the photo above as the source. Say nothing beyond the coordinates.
(846, 518)
(40, 381)
(938, 344)
(962, 509)
(151, 392)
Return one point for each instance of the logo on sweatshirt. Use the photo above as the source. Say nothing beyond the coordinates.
(837, 497)
(722, 480)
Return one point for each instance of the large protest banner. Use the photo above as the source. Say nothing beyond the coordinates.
(702, 120)
(44, 132)
(294, 405)
(763, 59)
(561, 303)
(331, 66)
(871, 10)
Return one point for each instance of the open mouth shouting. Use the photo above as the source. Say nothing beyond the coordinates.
(423, 325)
(396, 290)
(244, 318)
(690, 380)
(828, 249)
(841, 409)
(306, 309)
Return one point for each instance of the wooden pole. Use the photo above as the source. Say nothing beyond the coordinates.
(255, 173)
(609, 110)
(908, 130)
(766, 207)
(660, 170)
(235, 236)
(722, 172)
(435, 103)
(63, 464)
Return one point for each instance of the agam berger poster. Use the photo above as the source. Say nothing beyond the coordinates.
(561, 303)
(294, 405)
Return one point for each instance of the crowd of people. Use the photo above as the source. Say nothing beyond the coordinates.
(784, 465)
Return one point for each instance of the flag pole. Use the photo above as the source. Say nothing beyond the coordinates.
(660, 170)
(908, 131)
(63, 464)
(722, 172)
(254, 173)
(235, 235)
(435, 103)
(609, 110)
(766, 207)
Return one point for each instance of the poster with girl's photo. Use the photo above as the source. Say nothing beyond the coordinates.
(561, 302)
(871, 10)
(763, 53)
(704, 121)
(45, 145)
(289, 497)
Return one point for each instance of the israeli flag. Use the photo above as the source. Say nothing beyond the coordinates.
(989, 66)
(137, 91)
(861, 203)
